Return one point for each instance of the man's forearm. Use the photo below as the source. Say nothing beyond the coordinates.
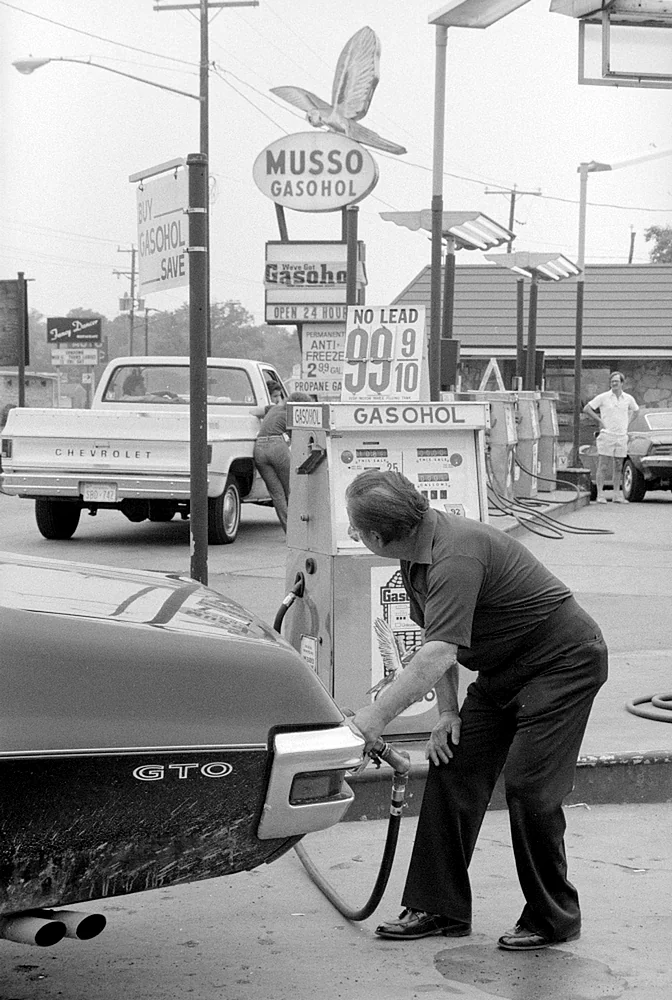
(447, 690)
(424, 672)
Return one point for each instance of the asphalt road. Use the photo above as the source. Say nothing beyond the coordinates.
(268, 935)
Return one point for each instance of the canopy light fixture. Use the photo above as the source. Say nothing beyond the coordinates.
(473, 13)
(469, 230)
(546, 266)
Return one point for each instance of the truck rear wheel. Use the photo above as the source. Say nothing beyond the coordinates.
(224, 514)
(57, 519)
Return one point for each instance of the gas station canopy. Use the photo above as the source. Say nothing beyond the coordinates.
(470, 230)
(546, 266)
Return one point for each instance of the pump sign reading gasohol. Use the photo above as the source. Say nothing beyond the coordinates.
(163, 261)
(315, 172)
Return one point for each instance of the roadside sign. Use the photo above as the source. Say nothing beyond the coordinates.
(80, 332)
(163, 261)
(384, 353)
(13, 324)
(74, 356)
(303, 275)
(322, 360)
(315, 171)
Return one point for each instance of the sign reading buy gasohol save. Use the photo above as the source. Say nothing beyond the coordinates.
(163, 261)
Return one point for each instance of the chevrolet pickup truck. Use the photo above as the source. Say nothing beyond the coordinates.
(130, 450)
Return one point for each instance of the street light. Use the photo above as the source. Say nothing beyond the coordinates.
(583, 170)
(456, 14)
(461, 231)
(28, 66)
(538, 267)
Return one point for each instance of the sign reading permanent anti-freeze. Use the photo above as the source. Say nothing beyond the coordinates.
(163, 261)
(315, 171)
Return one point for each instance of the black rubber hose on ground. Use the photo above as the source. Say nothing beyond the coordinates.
(401, 764)
(369, 907)
(652, 706)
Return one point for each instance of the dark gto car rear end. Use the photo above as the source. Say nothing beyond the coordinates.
(152, 732)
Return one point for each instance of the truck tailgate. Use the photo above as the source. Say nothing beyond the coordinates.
(142, 440)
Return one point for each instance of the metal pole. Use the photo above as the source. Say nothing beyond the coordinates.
(23, 338)
(204, 94)
(448, 290)
(532, 335)
(512, 210)
(351, 250)
(437, 213)
(197, 166)
(131, 315)
(578, 343)
(520, 328)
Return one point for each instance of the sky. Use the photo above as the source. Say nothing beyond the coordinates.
(515, 116)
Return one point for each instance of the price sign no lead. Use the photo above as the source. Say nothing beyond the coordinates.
(384, 350)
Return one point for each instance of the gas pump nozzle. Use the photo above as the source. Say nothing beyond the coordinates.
(399, 760)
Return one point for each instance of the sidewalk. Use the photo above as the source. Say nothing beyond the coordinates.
(269, 934)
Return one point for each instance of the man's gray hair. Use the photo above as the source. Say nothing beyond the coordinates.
(385, 502)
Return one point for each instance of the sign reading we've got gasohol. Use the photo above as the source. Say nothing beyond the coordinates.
(163, 261)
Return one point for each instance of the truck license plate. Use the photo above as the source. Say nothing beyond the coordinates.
(99, 492)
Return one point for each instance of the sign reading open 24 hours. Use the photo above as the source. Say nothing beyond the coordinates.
(383, 353)
(315, 171)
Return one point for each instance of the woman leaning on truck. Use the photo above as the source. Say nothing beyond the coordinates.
(271, 449)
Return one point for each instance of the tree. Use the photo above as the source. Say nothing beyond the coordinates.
(661, 252)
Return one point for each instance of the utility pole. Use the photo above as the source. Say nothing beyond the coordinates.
(132, 300)
(631, 252)
(513, 193)
(203, 6)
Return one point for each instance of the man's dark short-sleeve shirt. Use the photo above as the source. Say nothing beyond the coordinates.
(476, 587)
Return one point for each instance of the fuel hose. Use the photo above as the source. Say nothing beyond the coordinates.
(652, 706)
(400, 762)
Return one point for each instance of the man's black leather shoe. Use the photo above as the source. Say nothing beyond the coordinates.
(523, 939)
(418, 924)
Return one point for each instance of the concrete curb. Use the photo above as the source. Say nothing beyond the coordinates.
(614, 778)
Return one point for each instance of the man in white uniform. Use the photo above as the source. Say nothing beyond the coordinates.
(612, 412)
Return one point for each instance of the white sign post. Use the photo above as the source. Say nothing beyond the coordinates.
(385, 351)
(163, 261)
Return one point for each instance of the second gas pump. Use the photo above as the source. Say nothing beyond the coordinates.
(352, 622)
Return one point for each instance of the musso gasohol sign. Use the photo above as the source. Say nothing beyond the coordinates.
(315, 171)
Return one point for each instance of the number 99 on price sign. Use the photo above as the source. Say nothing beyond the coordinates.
(384, 351)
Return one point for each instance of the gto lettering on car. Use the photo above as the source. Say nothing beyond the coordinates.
(157, 772)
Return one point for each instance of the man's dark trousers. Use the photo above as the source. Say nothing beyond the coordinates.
(528, 719)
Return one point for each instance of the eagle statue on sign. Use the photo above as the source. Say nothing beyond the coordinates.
(356, 78)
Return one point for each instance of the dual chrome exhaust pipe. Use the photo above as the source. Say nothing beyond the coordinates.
(47, 927)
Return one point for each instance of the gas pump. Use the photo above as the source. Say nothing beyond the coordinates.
(548, 440)
(527, 450)
(352, 624)
(501, 438)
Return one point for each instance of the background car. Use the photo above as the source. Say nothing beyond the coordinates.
(152, 732)
(648, 465)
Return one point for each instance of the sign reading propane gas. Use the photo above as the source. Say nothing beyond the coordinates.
(163, 261)
(383, 353)
(315, 172)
